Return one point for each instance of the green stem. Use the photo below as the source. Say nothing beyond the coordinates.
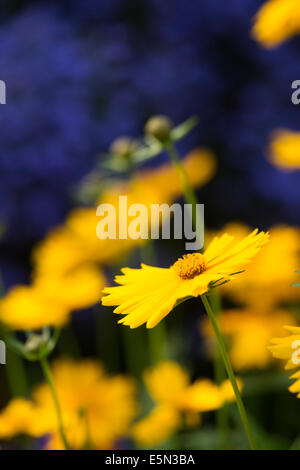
(15, 374)
(220, 376)
(189, 193)
(230, 373)
(48, 376)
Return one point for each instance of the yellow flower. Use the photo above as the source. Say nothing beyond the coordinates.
(285, 149)
(249, 332)
(96, 409)
(159, 425)
(167, 382)
(268, 278)
(148, 294)
(202, 395)
(17, 418)
(288, 349)
(277, 21)
(79, 288)
(59, 253)
(283, 348)
(25, 308)
(177, 399)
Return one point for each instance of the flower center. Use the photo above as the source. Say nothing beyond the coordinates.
(189, 265)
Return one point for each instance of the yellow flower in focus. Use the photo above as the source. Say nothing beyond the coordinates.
(96, 409)
(285, 150)
(276, 21)
(25, 308)
(158, 426)
(288, 349)
(148, 294)
(269, 277)
(79, 288)
(249, 332)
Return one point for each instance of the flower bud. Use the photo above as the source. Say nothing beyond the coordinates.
(159, 127)
(123, 146)
(34, 343)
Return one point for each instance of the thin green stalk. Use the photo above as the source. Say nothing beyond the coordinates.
(189, 193)
(15, 374)
(220, 376)
(230, 373)
(48, 376)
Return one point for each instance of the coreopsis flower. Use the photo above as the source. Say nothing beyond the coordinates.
(158, 426)
(50, 299)
(263, 285)
(148, 294)
(277, 21)
(177, 400)
(59, 253)
(96, 409)
(26, 308)
(75, 290)
(248, 332)
(285, 149)
(19, 415)
(287, 348)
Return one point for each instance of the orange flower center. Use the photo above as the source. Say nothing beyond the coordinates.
(190, 265)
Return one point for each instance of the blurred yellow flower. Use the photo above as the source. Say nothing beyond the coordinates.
(268, 278)
(285, 149)
(177, 400)
(148, 294)
(59, 253)
(17, 418)
(284, 348)
(248, 332)
(79, 288)
(276, 21)
(158, 426)
(167, 382)
(96, 408)
(288, 349)
(25, 308)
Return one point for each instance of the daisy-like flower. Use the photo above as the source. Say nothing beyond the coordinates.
(284, 149)
(277, 21)
(248, 332)
(148, 294)
(177, 401)
(288, 348)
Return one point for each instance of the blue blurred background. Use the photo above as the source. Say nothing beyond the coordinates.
(79, 74)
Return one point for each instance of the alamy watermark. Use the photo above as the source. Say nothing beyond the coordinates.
(154, 221)
(295, 97)
(2, 352)
(2, 92)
